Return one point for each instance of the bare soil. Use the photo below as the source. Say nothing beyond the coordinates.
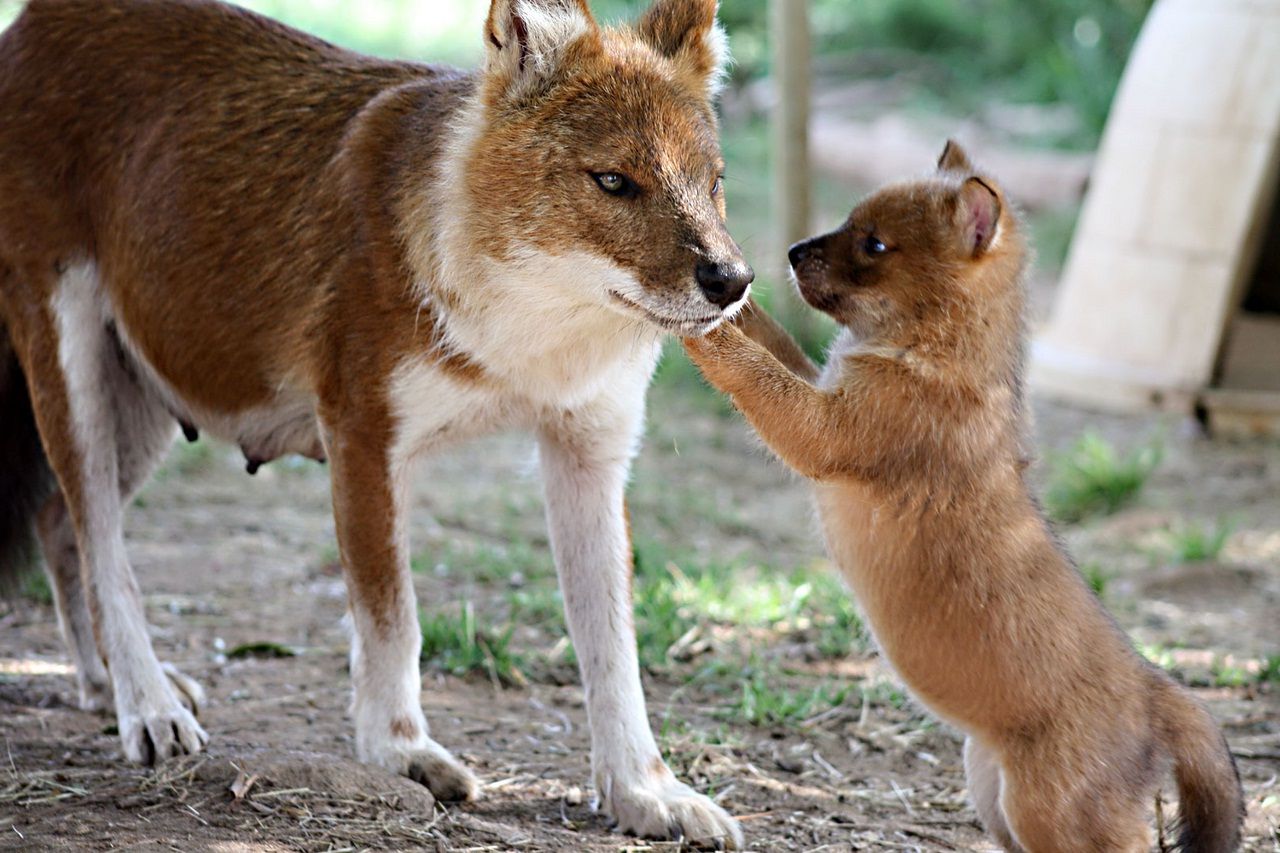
(226, 560)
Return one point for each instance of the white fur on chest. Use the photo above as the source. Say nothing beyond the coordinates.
(434, 410)
(542, 324)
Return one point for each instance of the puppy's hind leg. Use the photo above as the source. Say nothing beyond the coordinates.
(982, 771)
(1053, 804)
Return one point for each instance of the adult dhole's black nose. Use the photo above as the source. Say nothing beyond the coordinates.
(801, 251)
(724, 284)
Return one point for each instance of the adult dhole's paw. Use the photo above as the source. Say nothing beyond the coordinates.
(664, 808)
(430, 764)
(158, 727)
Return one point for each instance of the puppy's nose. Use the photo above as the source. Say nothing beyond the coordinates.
(801, 251)
(724, 284)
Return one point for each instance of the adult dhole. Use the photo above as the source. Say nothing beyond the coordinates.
(210, 220)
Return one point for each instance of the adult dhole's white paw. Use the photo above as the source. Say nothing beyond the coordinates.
(428, 763)
(662, 807)
(157, 724)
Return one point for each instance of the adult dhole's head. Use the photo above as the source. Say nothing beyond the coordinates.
(598, 147)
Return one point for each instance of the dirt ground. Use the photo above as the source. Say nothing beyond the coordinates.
(226, 560)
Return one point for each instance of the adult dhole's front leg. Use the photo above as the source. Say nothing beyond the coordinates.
(585, 459)
(369, 503)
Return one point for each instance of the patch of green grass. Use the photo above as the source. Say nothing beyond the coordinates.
(1093, 478)
(1096, 577)
(674, 594)
(765, 700)
(453, 642)
(1194, 542)
(1269, 671)
(1225, 673)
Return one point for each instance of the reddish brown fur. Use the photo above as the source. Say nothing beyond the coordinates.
(276, 242)
(915, 437)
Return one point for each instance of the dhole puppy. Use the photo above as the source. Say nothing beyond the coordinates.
(209, 219)
(913, 434)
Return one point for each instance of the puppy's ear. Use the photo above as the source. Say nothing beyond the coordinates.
(527, 41)
(686, 32)
(978, 216)
(954, 159)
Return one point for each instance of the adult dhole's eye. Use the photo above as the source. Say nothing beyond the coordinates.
(718, 185)
(613, 183)
(874, 246)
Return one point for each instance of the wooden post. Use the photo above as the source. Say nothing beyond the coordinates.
(789, 27)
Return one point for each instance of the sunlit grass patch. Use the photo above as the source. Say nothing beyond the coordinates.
(1093, 478)
(453, 642)
(675, 598)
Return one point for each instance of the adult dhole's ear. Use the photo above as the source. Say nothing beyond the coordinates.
(526, 41)
(686, 32)
(978, 215)
(954, 159)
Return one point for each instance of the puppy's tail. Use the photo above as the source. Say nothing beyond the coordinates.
(1211, 802)
(25, 478)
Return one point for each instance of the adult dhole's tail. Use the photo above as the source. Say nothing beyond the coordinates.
(1211, 803)
(25, 479)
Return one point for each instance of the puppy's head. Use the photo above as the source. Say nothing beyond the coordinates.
(909, 250)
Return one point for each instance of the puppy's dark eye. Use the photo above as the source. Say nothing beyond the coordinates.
(718, 185)
(873, 245)
(614, 183)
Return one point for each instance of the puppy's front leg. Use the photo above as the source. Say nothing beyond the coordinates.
(369, 502)
(810, 429)
(762, 328)
(585, 456)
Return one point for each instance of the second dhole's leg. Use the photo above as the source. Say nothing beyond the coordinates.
(67, 354)
(585, 459)
(62, 565)
(982, 772)
(369, 503)
(144, 430)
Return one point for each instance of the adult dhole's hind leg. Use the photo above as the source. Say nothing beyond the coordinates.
(67, 353)
(62, 565)
(982, 771)
(144, 430)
